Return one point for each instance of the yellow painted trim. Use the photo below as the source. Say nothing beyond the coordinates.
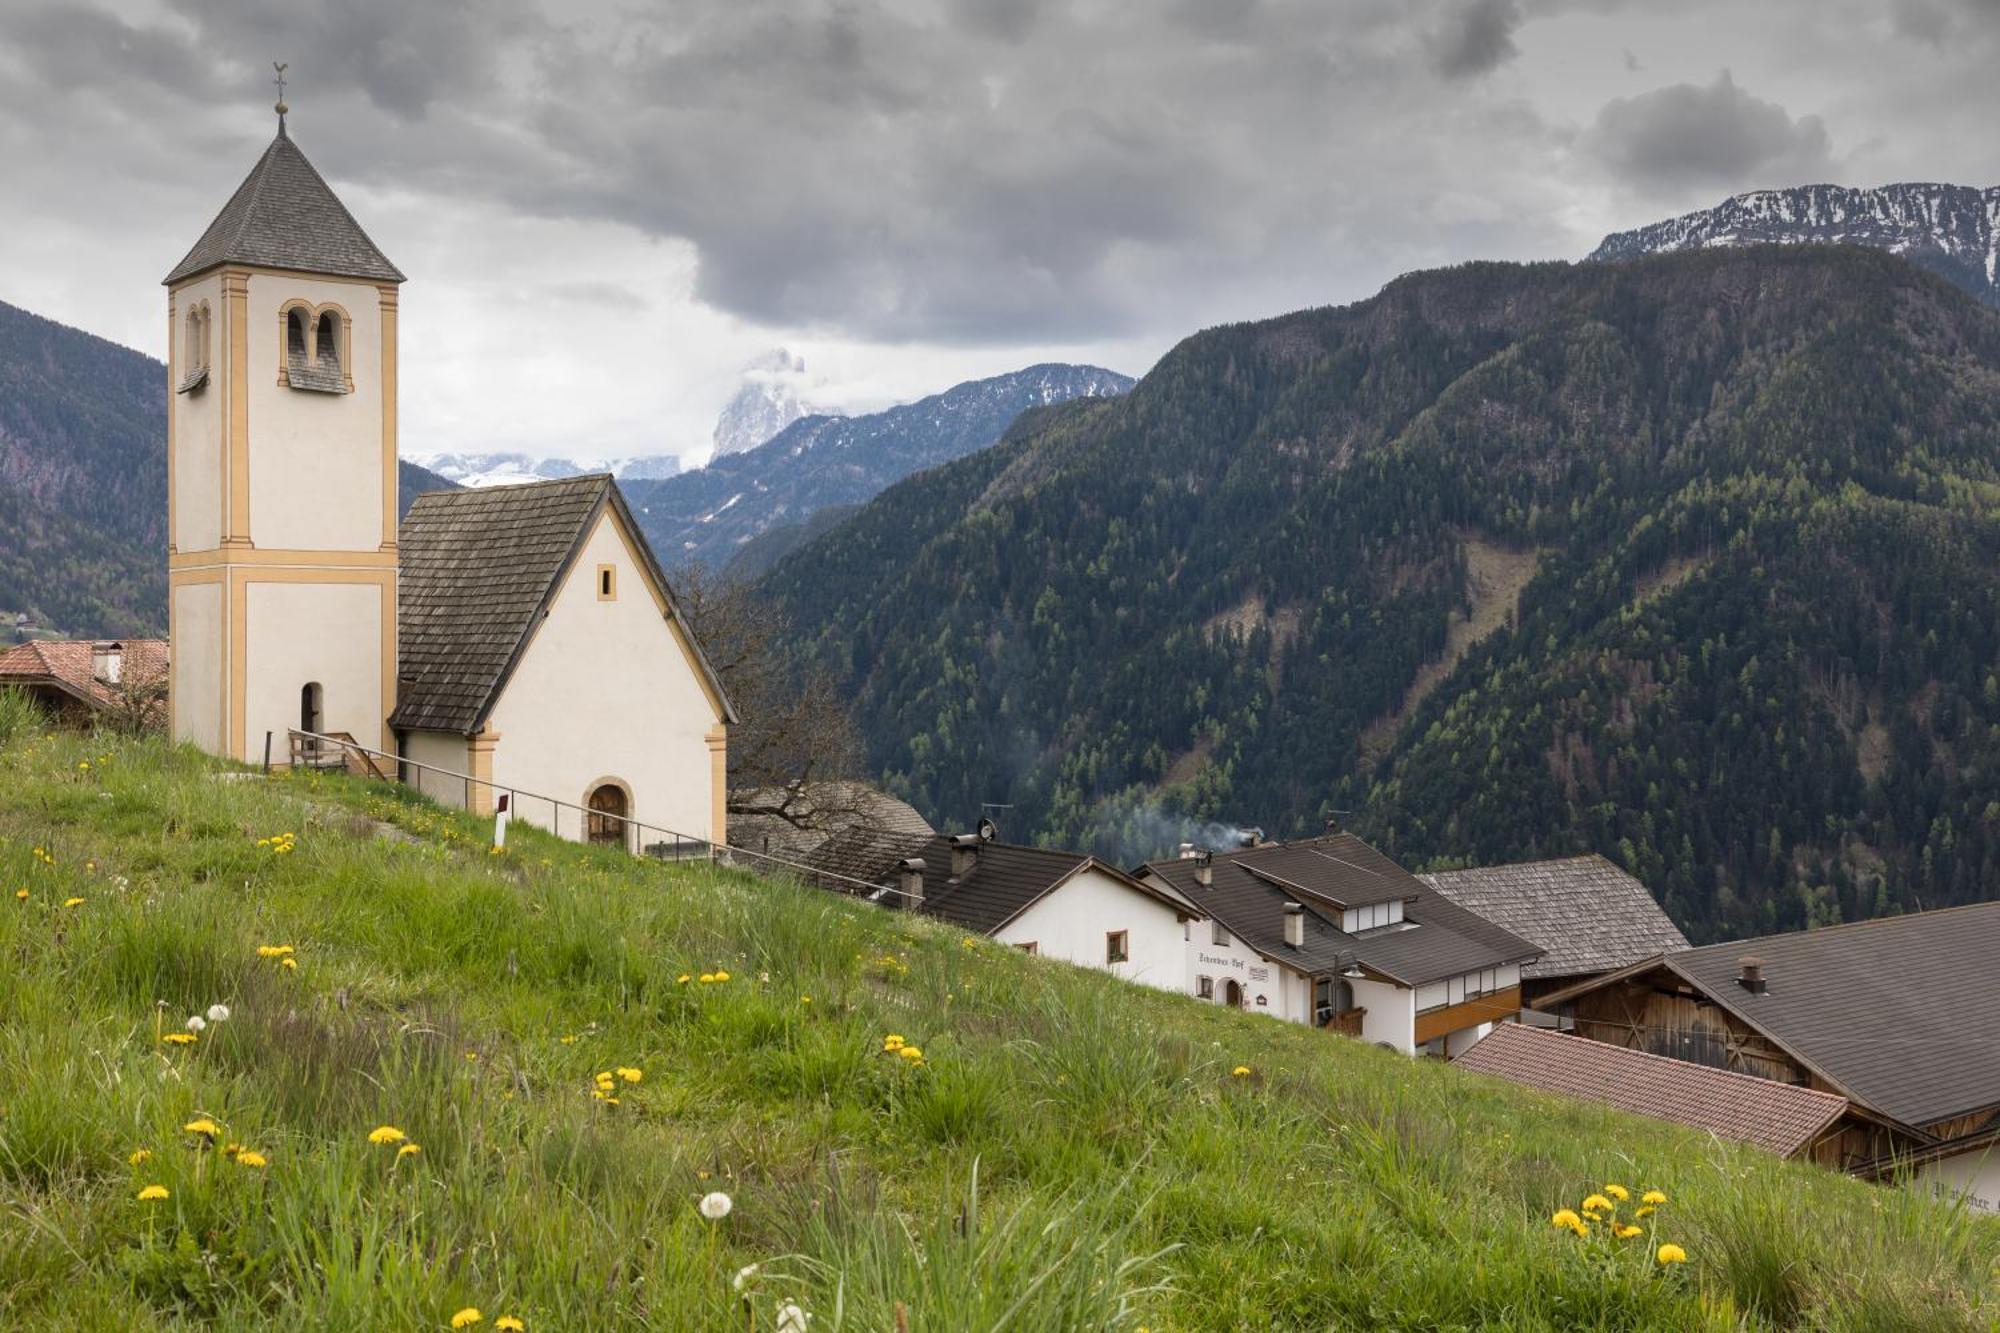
(266, 271)
(681, 635)
(386, 316)
(173, 410)
(283, 557)
(236, 441)
(479, 763)
(718, 777)
(607, 583)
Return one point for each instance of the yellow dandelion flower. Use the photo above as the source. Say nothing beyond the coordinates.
(1241, 1071)
(467, 1317)
(1597, 1203)
(21, 895)
(1654, 1197)
(154, 1193)
(707, 978)
(631, 1075)
(1628, 1231)
(205, 1127)
(1618, 1192)
(914, 1054)
(140, 1156)
(682, 979)
(570, 1040)
(386, 1134)
(721, 975)
(507, 1323)
(1564, 1217)
(252, 1158)
(892, 1042)
(72, 902)
(290, 964)
(408, 1150)
(179, 1038)
(805, 999)
(1671, 1254)
(1647, 1211)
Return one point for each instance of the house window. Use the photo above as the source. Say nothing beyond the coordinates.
(607, 583)
(326, 343)
(194, 350)
(295, 339)
(1204, 988)
(1116, 949)
(1218, 933)
(1032, 946)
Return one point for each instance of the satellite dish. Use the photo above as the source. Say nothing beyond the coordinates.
(988, 830)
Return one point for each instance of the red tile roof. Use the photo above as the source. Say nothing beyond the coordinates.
(66, 664)
(1776, 1117)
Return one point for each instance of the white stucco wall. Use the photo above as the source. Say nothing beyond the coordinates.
(195, 675)
(604, 691)
(1071, 924)
(445, 750)
(197, 424)
(1391, 1017)
(315, 458)
(300, 632)
(1974, 1175)
(1231, 961)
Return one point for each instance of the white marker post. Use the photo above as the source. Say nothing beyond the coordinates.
(502, 806)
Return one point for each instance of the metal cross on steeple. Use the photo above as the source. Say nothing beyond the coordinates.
(281, 108)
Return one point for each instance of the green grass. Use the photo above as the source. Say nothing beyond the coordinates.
(1075, 1153)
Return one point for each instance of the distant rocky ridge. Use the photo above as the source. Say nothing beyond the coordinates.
(820, 462)
(774, 393)
(1953, 230)
(512, 468)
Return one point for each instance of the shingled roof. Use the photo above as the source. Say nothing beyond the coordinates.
(1005, 881)
(1892, 1012)
(1248, 890)
(1584, 913)
(69, 667)
(479, 569)
(1777, 1117)
(284, 215)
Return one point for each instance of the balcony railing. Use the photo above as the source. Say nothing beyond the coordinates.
(1347, 1022)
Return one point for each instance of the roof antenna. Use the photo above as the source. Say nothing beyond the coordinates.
(280, 108)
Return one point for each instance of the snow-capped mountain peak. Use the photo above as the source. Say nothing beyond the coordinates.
(1953, 230)
(775, 391)
(509, 469)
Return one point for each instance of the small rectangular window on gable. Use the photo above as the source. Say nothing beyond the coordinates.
(607, 583)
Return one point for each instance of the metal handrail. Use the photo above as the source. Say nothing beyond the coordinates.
(710, 851)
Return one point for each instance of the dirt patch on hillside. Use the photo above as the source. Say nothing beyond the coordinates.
(1494, 578)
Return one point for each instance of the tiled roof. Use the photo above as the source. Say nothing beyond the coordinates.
(67, 664)
(478, 571)
(285, 216)
(1584, 913)
(1004, 882)
(1898, 1013)
(1777, 1117)
(1248, 890)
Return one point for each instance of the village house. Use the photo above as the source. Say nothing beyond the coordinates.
(518, 638)
(1892, 1014)
(1777, 1117)
(840, 827)
(1329, 931)
(78, 681)
(1586, 915)
(1063, 905)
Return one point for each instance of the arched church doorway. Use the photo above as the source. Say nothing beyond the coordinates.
(1232, 995)
(609, 808)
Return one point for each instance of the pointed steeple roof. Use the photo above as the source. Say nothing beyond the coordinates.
(284, 215)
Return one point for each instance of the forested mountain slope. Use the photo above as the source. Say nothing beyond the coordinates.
(1694, 561)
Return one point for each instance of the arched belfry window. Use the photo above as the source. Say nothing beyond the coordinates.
(315, 350)
(194, 349)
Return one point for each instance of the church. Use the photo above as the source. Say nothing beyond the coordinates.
(518, 638)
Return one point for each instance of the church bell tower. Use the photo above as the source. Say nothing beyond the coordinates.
(281, 469)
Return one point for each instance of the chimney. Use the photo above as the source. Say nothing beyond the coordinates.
(1295, 925)
(1332, 825)
(1253, 837)
(1752, 976)
(964, 854)
(1204, 868)
(106, 659)
(1187, 851)
(910, 879)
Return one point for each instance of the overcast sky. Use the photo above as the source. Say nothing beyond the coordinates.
(606, 208)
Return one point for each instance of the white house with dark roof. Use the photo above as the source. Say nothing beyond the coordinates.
(521, 637)
(1329, 931)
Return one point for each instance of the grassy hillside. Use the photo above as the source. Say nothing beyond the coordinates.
(1070, 1153)
(1689, 561)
